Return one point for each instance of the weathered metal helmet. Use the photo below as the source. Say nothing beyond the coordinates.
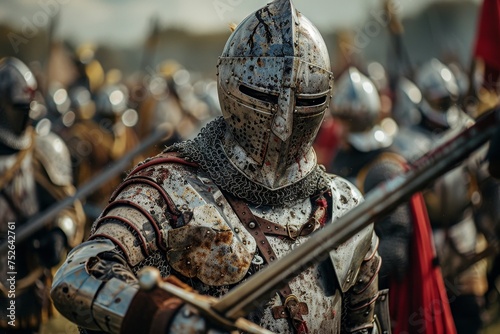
(17, 90)
(82, 103)
(407, 101)
(440, 92)
(112, 100)
(274, 85)
(356, 101)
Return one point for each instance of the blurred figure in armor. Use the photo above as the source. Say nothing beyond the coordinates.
(367, 158)
(486, 88)
(492, 296)
(212, 211)
(98, 131)
(35, 173)
(457, 203)
(172, 98)
(90, 74)
(485, 73)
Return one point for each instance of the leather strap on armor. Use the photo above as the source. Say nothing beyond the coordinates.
(382, 315)
(292, 308)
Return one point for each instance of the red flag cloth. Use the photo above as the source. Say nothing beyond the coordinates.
(488, 38)
(419, 304)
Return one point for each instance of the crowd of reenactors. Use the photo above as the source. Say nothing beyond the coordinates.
(55, 140)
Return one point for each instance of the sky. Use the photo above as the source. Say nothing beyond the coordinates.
(125, 22)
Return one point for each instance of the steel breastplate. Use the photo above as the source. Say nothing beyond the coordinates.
(211, 245)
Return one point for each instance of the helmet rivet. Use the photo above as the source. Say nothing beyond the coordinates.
(252, 225)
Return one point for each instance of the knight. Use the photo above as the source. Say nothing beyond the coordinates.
(457, 203)
(212, 211)
(368, 157)
(35, 172)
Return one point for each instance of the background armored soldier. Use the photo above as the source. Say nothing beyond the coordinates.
(367, 158)
(98, 131)
(455, 202)
(35, 173)
(242, 194)
(173, 98)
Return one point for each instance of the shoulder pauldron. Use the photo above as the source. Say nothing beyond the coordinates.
(54, 158)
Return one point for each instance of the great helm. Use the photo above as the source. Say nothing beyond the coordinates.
(357, 102)
(17, 90)
(274, 85)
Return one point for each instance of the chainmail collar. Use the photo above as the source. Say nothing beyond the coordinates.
(207, 151)
(15, 142)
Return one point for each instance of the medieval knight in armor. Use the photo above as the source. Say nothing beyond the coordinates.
(367, 157)
(456, 204)
(214, 210)
(35, 172)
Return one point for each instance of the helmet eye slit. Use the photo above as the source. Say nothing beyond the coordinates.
(24, 107)
(302, 102)
(265, 97)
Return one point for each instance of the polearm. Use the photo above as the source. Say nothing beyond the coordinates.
(37, 222)
(401, 63)
(379, 202)
(229, 310)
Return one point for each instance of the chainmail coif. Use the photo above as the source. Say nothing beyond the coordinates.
(207, 151)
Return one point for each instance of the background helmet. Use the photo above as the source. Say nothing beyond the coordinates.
(17, 90)
(356, 101)
(82, 104)
(440, 92)
(274, 85)
(407, 102)
(112, 100)
(112, 106)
